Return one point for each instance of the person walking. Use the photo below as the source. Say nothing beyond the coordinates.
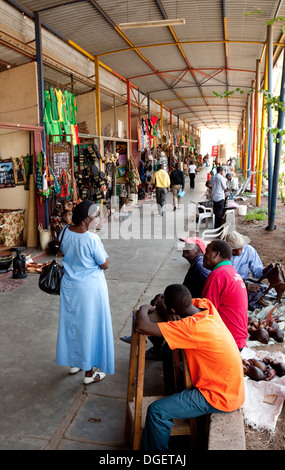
(219, 186)
(85, 333)
(161, 183)
(192, 174)
(177, 182)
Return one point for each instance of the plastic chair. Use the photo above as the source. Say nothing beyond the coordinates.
(216, 233)
(207, 213)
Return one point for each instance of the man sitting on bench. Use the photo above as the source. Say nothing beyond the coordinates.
(213, 358)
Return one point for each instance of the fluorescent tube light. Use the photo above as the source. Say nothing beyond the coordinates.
(152, 24)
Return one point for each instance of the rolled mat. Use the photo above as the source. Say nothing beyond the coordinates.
(32, 233)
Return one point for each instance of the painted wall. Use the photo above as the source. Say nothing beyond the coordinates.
(18, 105)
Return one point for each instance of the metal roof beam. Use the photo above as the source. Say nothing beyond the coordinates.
(226, 44)
(123, 35)
(162, 11)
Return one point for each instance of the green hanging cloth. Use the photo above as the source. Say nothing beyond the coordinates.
(54, 107)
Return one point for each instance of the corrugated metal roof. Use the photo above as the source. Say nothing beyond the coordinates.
(186, 65)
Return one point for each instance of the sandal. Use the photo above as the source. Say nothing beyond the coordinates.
(74, 370)
(96, 377)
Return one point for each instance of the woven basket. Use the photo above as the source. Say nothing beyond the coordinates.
(45, 237)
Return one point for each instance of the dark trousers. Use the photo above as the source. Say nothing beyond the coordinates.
(218, 208)
(192, 180)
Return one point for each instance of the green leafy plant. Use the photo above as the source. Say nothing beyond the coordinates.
(260, 213)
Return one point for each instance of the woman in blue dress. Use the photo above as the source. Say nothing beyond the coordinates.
(85, 333)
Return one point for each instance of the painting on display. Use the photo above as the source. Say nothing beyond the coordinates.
(19, 170)
(7, 179)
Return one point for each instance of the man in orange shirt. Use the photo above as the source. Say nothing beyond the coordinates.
(213, 357)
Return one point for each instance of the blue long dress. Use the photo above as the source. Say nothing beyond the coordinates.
(85, 333)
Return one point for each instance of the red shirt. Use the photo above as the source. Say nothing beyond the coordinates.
(214, 360)
(227, 292)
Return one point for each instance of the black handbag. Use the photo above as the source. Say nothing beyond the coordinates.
(51, 275)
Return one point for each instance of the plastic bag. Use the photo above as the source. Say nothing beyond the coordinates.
(50, 278)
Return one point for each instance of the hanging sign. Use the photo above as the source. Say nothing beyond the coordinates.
(215, 151)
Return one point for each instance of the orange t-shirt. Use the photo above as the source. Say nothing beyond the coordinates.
(213, 357)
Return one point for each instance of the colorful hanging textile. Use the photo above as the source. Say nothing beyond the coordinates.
(47, 184)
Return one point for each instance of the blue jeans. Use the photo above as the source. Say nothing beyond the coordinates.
(160, 414)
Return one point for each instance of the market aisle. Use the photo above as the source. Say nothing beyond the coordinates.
(42, 406)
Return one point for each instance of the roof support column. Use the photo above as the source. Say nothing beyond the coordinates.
(262, 138)
(171, 140)
(249, 132)
(129, 114)
(270, 110)
(39, 58)
(257, 112)
(98, 103)
(242, 162)
(278, 150)
(253, 135)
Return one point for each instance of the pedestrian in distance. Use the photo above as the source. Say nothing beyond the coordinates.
(161, 185)
(192, 174)
(177, 182)
(219, 186)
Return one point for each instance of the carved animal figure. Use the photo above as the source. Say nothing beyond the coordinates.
(276, 277)
(257, 369)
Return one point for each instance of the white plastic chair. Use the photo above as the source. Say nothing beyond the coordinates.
(216, 233)
(207, 213)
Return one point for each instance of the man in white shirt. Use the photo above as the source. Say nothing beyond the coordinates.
(192, 174)
(219, 186)
(232, 182)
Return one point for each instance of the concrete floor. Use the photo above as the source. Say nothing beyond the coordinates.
(42, 406)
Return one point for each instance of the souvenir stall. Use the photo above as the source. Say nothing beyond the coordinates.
(17, 186)
(149, 137)
(133, 180)
(55, 180)
(121, 172)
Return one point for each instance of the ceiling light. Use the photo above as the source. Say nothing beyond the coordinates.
(152, 24)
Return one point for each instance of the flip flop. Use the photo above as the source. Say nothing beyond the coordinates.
(96, 377)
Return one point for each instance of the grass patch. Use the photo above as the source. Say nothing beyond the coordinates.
(260, 213)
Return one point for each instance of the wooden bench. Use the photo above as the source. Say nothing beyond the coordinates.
(137, 404)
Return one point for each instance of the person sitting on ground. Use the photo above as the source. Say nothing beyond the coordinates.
(213, 358)
(225, 288)
(197, 274)
(177, 182)
(232, 182)
(248, 264)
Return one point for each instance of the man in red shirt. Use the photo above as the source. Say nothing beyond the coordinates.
(226, 290)
(213, 358)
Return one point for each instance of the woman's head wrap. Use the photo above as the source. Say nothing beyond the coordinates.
(83, 210)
